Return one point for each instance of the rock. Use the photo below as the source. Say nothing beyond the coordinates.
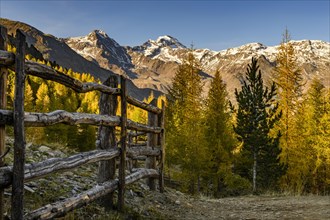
(28, 189)
(28, 145)
(144, 186)
(177, 202)
(44, 149)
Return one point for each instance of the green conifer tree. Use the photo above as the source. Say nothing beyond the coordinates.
(255, 118)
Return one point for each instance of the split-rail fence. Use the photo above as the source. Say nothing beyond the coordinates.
(110, 154)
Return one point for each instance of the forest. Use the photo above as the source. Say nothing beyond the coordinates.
(271, 138)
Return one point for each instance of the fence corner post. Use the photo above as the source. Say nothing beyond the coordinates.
(161, 124)
(123, 134)
(152, 142)
(19, 142)
(107, 139)
(3, 105)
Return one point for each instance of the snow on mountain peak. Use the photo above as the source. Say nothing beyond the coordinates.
(161, 48)
(101, 33)
(166, 40)
(97, 45)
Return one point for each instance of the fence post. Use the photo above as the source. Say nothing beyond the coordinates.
(19, 143)
(161, 140)
(107, 139)
(123, 134)
(152, 142)
(3, 105)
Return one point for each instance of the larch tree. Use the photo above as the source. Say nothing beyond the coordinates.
(43, 99)
(256, 115)
(289, 81)
(312, 166)
(184, 114)
(219, 135)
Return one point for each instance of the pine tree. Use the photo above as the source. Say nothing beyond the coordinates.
(219, 135)
(255, 118)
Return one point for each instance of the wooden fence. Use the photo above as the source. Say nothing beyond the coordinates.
(107, 152)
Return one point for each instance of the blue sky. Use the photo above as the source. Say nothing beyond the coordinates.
(209, 24)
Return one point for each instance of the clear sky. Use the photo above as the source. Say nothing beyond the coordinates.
(209, 24)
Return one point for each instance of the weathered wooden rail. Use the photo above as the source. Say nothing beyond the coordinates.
(108, 151)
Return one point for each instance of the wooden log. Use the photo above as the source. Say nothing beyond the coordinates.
(19, 142)
(140, 158)
(161, 142)
(152, 141)
(123, 137)
(3, 105)
(48, 73)
(141, 127)
(143, 151)
(107, 140)
(59, 209)
(143, 105)
(33, 119)
(6, 58)
(139, 144)
(136, 134)
(6, 117)
(37, 170)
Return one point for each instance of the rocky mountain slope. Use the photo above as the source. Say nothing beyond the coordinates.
(54, 49)
(312, 56)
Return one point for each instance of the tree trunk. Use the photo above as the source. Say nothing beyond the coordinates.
(254, 172)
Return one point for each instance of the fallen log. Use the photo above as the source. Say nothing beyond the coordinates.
(60, 208)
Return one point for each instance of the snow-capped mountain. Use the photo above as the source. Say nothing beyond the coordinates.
(98, 47)
(312, 56)
(153, 64)
(161, 48)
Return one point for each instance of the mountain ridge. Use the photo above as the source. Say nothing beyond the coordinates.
(153, 64)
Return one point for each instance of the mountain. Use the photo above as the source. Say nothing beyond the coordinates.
(152, 65)
(99, 48)
(312, 57)
(55, 49)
